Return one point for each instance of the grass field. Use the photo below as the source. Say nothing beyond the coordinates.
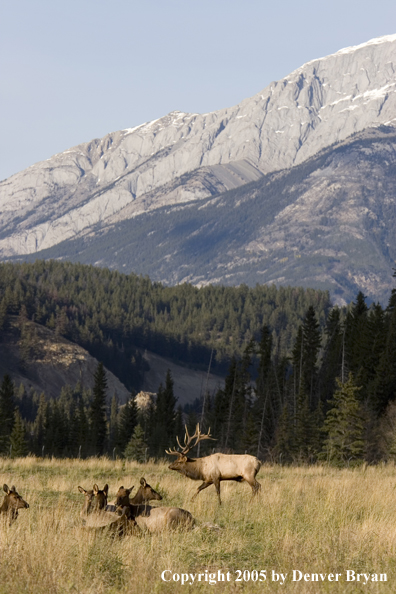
(308, 519)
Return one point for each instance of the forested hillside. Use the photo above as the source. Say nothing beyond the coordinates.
(304, 381)
(112, 314)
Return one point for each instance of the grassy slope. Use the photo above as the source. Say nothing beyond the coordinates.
(312, 519)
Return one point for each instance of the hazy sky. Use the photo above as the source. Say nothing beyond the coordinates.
(75, 70)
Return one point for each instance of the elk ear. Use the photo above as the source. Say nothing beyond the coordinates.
(82, 490)
(6, 489)
(95, 489)
(106, 489)
(13, 489)
(129, 491)
(143, 482)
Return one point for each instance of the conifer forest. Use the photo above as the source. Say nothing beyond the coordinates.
(305, 381)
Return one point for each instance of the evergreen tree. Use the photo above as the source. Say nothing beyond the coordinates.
(343, 426)
(3, 315)
(81, 431)
(113, 425)
(306, 430)
(383, 385)
(127, 423)
(18, 437)
(266, 407)
(162, 433)
(332, 356)
(355, 334)
(137, 447)
(40, 427)
(284, 449)
(98, 421)
(7, 405)
(305, 354)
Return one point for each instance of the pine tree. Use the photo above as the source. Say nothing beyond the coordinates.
(332, 357)
(284, 449)
(82, 430)
(343, 426)
(40, 427)
(265, 409)
(113, 425)
(162, 433)
(137, 446)
(7, 405)
(127, 423)
(98, 421)
(383, 387)
(18, 444)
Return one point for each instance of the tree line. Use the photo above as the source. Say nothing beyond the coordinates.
(332, 398)
(304, 381)
(80, 424)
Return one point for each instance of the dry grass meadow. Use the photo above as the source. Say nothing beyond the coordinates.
(313, 519)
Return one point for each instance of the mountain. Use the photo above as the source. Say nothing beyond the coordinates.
(84, 202)
(329, 223)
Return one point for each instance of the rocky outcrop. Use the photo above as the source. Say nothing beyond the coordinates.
(184, 157)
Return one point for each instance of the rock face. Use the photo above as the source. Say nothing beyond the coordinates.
(329, 223)
(184, 158)
(56, 362)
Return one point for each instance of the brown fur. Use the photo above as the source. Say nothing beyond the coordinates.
(153, 519)
(12, 503)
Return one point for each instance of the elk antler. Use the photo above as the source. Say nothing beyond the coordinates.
(187, 442)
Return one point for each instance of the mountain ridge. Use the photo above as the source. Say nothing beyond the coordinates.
(186, 158)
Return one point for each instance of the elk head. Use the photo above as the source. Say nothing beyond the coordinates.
(190, 441)
(95, 499)
(89, 497)
(100, 496)
(145, 493)
(122, 497)
(12, 503)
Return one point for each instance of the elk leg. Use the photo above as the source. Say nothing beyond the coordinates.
(201, 488)
(255, 487)
(217, 485)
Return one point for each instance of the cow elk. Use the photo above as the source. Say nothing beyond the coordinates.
(97, 515)
(214, 468)
(145, 493)
(95, 499)
(12, 503)
(152, 519)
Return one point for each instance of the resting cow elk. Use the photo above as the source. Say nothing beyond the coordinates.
(145, 493)
(95, 499)
(215, 468)
(97, 515)
(12, 503)
(153, 519)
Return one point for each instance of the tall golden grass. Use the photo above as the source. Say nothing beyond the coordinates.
(312, 519)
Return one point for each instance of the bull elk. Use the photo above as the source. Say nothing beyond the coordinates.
(153, 519)
(12, 503)
(215, 468)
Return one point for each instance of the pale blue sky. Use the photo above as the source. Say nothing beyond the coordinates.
(75, 70)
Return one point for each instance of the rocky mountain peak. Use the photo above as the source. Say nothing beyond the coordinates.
(181, 157)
